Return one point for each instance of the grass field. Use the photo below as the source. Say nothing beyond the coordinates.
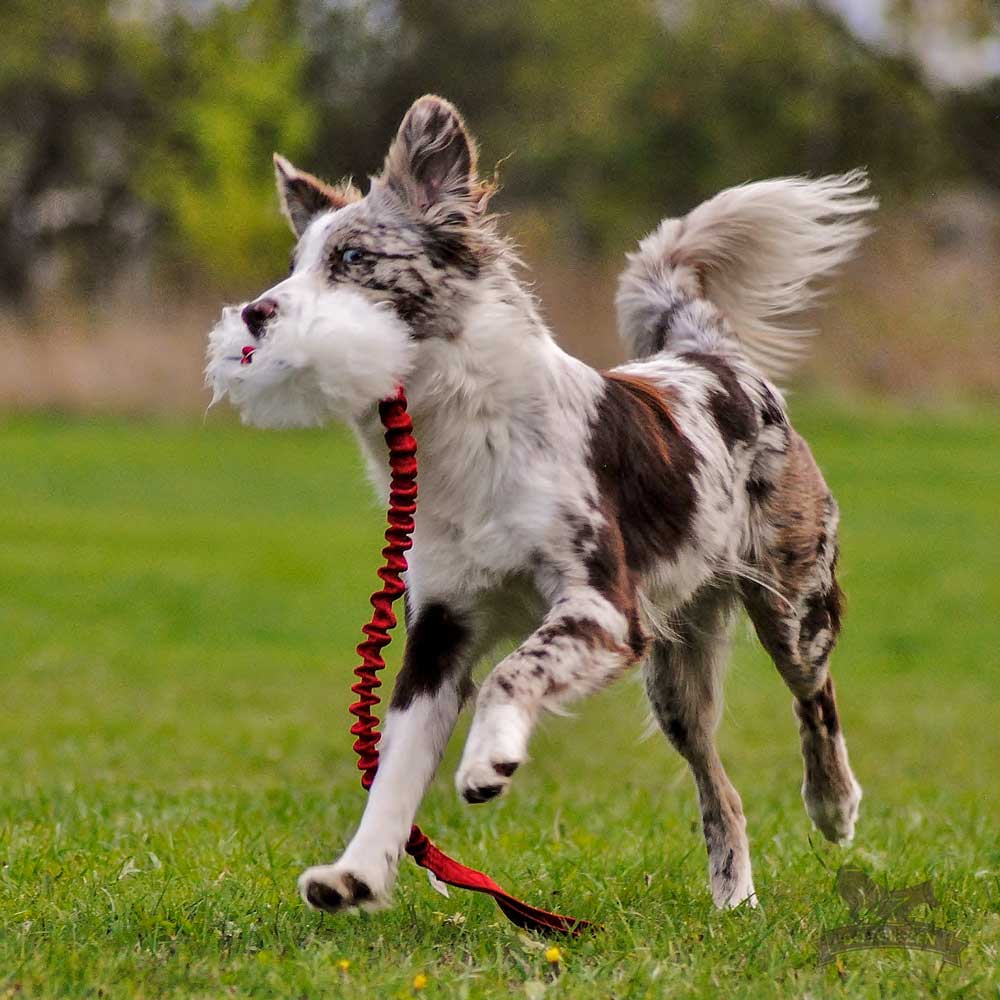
(178, 614)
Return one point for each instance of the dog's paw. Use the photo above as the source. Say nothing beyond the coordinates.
(730, 876)
(480, 782)
(745, 896)
(727, 894)
(495, 749)
(338, 887)
(834, 815)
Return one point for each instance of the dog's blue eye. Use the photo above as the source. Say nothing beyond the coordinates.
(352, 255)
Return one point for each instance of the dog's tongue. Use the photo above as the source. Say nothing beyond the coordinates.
(246, 355)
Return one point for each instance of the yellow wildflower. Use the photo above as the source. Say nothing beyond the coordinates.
(344, 964)
(419, 981)
(553, 955)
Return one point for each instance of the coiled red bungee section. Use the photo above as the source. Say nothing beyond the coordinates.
(402, 509)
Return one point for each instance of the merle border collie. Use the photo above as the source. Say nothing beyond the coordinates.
(601, 519)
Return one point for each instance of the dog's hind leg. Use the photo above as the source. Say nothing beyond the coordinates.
(429, 692)
(798, 621)
(684, 684)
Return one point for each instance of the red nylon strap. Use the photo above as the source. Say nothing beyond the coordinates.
(402, 507)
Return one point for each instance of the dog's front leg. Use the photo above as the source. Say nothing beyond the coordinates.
(428, 694)
(586, 641)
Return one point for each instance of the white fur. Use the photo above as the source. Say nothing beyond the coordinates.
(489, 491)
(499, 734)
(411, 747)
(327, 355)
(756, 252)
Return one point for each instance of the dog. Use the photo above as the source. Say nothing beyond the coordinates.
(602, 519)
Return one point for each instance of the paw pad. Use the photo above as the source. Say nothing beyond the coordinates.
(483, 794)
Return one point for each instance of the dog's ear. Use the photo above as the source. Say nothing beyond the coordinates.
(431, 163)
(304, 196)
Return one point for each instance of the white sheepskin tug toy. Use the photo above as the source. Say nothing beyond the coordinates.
(325, 356)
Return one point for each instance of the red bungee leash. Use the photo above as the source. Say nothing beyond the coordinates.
(402, 507)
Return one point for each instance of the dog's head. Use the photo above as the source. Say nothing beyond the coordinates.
(372, 276)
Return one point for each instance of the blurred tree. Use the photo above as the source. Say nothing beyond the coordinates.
(369, 60)
(232, 91)
(569, 126)
(76, 114)
(125, 130)
(974, 119)
(663, 114)
(973, 17)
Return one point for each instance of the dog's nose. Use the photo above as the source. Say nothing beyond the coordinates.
(257, 313)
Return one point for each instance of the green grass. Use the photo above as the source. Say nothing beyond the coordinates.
(178, 614)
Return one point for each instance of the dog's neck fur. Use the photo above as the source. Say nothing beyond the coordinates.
(487, 407)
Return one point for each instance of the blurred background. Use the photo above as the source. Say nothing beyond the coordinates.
(136, 190)
(175, 591)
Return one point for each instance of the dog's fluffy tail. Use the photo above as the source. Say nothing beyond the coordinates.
(755, 253)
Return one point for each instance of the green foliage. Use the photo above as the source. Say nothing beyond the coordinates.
(180, 610)
(662, 115)
(76, 114)
(572, 135)
(233, 90)
(161, 125)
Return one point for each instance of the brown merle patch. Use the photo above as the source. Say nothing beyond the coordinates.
(323, 897)
(759, 489)
(801, 560)
(584, 630)
(645, 467)
(733, 412)
(820, 710)
(360, 892)
(823, 612)
(727, 867)
(801, 513)
(677, 732)
(603, 553)
(452, 247)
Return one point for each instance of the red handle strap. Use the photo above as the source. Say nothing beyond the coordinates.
(402, 507)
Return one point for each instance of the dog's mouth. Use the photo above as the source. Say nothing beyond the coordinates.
(245, 357)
